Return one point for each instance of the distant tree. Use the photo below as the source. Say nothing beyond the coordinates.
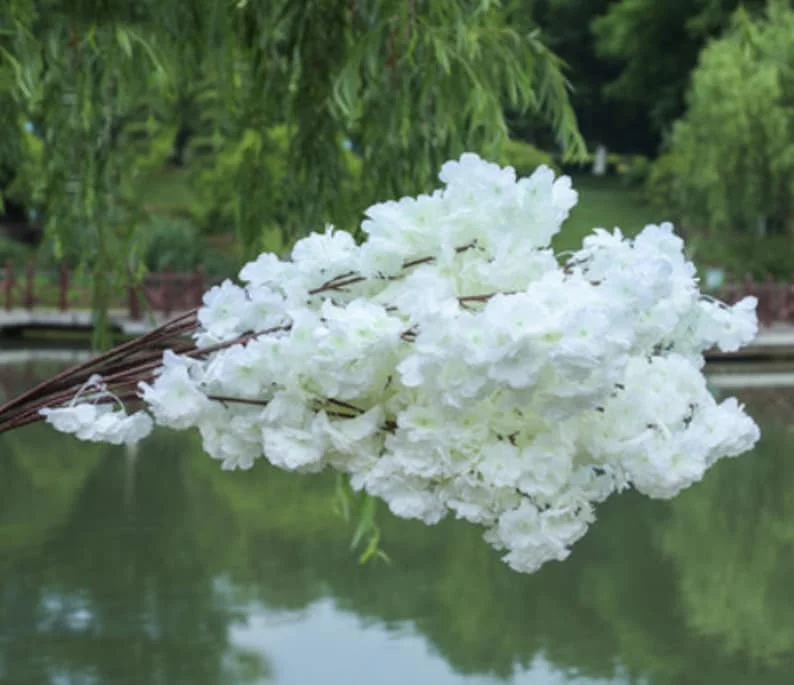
(731, 157)
(657, 45)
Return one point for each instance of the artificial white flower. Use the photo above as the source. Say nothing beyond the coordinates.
(70, 419)
(224, 310)
(452, 364)
(175, 398)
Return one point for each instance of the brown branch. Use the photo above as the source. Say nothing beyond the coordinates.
(346, 405)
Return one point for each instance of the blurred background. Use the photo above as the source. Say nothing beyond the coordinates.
(147, 138)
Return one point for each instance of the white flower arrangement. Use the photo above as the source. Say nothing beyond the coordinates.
(453, 364)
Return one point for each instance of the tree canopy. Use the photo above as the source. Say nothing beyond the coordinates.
(730, 167)
(656, 45)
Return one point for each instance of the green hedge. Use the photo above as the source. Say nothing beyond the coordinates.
(170, 243)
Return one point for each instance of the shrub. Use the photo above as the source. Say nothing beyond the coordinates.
(220, 265)
(633, 170)
(229, 185)
(662, 183)
(734, 248)
(170, 243)
(524, 157)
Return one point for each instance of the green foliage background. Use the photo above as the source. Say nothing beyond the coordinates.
(257, 99)
(728, 174)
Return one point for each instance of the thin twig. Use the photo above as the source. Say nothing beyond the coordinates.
(237, 400)
(346, 405)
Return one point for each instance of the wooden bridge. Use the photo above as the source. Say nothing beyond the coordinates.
(59, 299)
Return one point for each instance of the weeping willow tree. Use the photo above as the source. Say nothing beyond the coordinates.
(265, 98)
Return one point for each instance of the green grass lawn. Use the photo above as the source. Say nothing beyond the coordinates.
(604, 203)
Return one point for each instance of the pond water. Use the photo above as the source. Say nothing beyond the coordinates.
(156, 567)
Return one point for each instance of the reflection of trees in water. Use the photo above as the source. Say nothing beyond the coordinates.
(119, 591)
(637, 592)
(692, 591)
(732, 542)
(614, 603)
(657, 590)
(39, 484)
(591, 614)
(444, 580)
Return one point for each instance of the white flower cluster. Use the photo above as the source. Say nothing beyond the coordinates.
(89, 420)
(452, 363)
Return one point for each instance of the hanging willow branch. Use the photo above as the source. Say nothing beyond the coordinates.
(259, 101)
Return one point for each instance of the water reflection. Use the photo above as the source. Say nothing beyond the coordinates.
(160, 568)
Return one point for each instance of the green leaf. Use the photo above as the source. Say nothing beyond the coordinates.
(123, 39)
(366, 522)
